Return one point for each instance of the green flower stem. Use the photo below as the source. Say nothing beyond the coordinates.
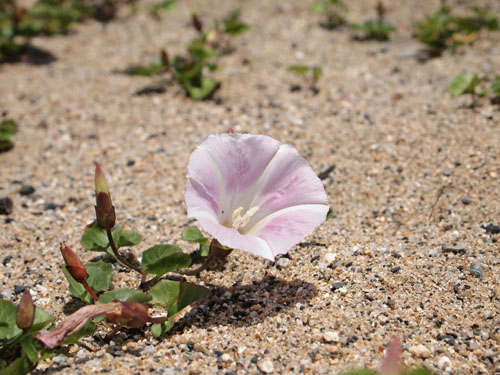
(121, 259)
(89, 289)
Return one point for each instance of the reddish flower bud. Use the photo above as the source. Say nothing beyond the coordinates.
(74, 265)
(104, 209)
(25, 311)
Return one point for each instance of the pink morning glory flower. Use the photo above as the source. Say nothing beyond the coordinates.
(254, 194)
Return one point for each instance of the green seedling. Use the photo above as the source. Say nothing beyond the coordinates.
(495, 86)
(163, 6)
(311, 75)
(442, 29)
(8, 130)
(466, 84)
(334, 12)
(376, 29)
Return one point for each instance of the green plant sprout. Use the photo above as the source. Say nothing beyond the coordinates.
(334, 12)
(23, 340)
(442, 29)
(495, 86)
(375, 29)
(466, 83)
(311, 74)
(8, 129)
(166, 5)
(190, 70)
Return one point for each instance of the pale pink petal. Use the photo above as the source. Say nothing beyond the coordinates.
(233, 239)
(391, 364)
(287, 227)
(287, 181)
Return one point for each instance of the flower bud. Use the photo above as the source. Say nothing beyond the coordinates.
(104, 209)
(197, 24)
(74, 265)
(25, 311)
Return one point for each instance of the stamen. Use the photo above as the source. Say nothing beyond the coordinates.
(240, 221)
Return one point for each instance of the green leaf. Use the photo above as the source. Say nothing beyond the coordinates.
(166, 5)
(464, 83)
(128, 238)
(21, 365)
(495, 86)
(87, 329)
(100, 277)
(418, 371)
(42, 319)
(317, 72)
(329, 214)
(200, 51)
(233, 24)
(208, 87)
(125, 295)
(96, 239)
(9, 331)
(193, 234)
(363, 371)
(8, 129)
(29, 347)
(159, 329)
(160, 259)
(205, 249)
(77, 289)
(176, 295)
(298, 69)
(146, 70)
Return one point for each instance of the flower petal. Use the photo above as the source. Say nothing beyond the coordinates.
(287, 181)
(233, 239)
(287, 227)
(223, 167)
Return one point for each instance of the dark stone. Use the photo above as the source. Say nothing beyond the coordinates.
(190, 345)
(337, 285)
(254, 360)
(151, 218)
(369, 298)
(6, 260)
(26, 190)
(314, 257)
(295, 88)
(5, 206)
(20, 288)
(326, 172)
(466, 201)
(8, 220)
(492, 229)
(130, 163)
(395, 269)
(49, 206)
(476, 271)
(348, 264)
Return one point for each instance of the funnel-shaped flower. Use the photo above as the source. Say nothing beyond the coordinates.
(104, 209)
(25, 311)
(254, 194)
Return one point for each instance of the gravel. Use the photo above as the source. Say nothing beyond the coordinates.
(388, 189)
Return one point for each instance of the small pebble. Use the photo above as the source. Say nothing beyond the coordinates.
(476, 271)
(395, 269)
(283, 262)
(331, 336)
(19, 288)
(26, 190)
(49, 206)
(466, 201)
(492, 229)
(337, 285)
(6, 260)
(130, 163)
(225, 357)
(266, 367)
(329, 258)
(444, 363)
(5, 206)
(420, 351)
(61, 359)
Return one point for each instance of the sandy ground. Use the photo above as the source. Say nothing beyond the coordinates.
(414, 184)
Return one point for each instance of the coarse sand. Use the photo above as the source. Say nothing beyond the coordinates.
(413, 183)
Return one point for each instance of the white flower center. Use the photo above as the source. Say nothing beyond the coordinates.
(240, 221)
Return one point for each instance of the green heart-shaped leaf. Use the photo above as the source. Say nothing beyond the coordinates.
(125, 295)
(176, 295)
(160, 259)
